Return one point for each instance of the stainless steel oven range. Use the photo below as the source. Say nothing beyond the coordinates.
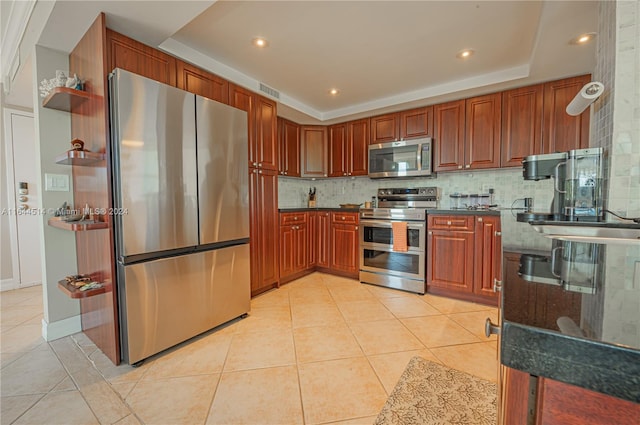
(380, 264)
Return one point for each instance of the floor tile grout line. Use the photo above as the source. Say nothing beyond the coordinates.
(42, 395)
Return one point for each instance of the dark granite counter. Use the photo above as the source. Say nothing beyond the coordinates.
(462, 212)
(588, 337)
(337, 209)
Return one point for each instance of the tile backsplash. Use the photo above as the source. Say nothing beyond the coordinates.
(509, 186)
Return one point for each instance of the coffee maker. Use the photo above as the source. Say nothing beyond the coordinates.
(577, 178)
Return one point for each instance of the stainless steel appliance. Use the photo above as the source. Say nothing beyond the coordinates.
(380, 264)
(577, 186)
(405, 158)
(181, 230)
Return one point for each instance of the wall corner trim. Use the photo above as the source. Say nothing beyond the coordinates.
(61, 328)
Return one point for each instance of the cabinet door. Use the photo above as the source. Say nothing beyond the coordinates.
(323, 236)
(287, 250)
(385, 128)
(266, 141)
(450, 260)
(313, 143)
(521, 124)
(563, 132)
(344, 255)
(244, 99)
(488, 256)
(312, 241)
(416, 123)
(202, 83)
(289, 148)
(126, 53)
(338, 150)
(448, 130)
(482, 137)
(301, 258)
(264, 232)
(358, 147)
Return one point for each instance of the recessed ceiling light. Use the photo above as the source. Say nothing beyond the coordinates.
(464, 54)
(260, 42)
(334, 92)
(583, 38)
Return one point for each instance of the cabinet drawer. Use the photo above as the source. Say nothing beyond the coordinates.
(450, 222)
(293, 218)
(344, 218)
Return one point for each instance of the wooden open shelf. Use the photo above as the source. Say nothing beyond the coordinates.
(74, 292)
(77, 226)
(83, 158)
(64, 98)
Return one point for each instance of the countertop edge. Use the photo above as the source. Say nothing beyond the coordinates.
(605, 368)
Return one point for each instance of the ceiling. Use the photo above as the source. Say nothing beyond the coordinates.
(381, 55)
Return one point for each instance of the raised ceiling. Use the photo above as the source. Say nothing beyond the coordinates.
(382, 55)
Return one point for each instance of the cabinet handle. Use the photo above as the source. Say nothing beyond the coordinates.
(285, 173)
(490, 328)
(479, 219)
(344, 218)
(498, 234)
(448, 223)
(255, 171)
(349, 173)
(431, 233)
(497, 285)
(467, 166)
(259, 171)
(459, 167)
(259, 164)
(295, 218)
(356, 227)
(255, 164)
(344, 174)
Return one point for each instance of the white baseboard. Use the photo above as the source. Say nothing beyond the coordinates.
(61, 328)
(8, 284)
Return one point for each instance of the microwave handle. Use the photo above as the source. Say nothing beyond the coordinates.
(419, 156)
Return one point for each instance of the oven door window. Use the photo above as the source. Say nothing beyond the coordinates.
(384, 236)
(400, 263)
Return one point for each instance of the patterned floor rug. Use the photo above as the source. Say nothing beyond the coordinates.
(431, 394)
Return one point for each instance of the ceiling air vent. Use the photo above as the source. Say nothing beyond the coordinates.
(268, 90)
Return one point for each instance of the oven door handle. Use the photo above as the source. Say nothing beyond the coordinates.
(387, 223)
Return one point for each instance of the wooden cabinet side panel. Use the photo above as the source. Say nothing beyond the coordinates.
(287, 244)
(131, 55)
(292, 146)
(323, 241)
(487, 254)
(416, 123)
(385, 128)
(313, 143)
(358, 147)
(202, 83)
(563, 132)
(264, 232)
(514, 397)
(521, 124)
(338, 150)
(448, 129)
(301, 250)
(564, 404)
(312, 240)
(482, 137)
(95, 249)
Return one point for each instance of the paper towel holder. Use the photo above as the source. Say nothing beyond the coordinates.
(585, 97)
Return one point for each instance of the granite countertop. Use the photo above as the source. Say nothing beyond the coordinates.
(303, 209)
(598, 347)
(462, 212)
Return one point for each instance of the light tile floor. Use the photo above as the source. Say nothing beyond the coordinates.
(322, 349)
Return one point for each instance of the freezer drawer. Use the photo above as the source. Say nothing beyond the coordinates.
(167, 301)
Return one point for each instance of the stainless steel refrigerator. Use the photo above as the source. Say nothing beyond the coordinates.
(181, 213)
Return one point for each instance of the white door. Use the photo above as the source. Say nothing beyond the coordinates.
(23, 202)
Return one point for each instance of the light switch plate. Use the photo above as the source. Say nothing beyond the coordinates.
(56, 182)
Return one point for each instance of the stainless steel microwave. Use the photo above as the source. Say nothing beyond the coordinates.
(404, 158)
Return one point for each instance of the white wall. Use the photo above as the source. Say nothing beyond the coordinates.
(53, 134)
(6, 266)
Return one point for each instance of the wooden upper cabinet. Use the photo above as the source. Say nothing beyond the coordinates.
(130, 55)
(448, 131)
(482, 137)
(289, 141)
(338, 150)
(313, 145)
(244, 100)
(385, 128)
(265, 148)
(521, 124)
(561, 131)
(416, 123)
(358, 147)
(202, 83)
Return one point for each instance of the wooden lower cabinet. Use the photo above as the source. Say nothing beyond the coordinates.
(344, 244)
(323, 236)
(294, 245)
(557, 403)
(464, 257)
(263, 204)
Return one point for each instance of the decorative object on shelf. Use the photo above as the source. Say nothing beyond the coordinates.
(61, 80)
(77, 145)
(80, 286)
